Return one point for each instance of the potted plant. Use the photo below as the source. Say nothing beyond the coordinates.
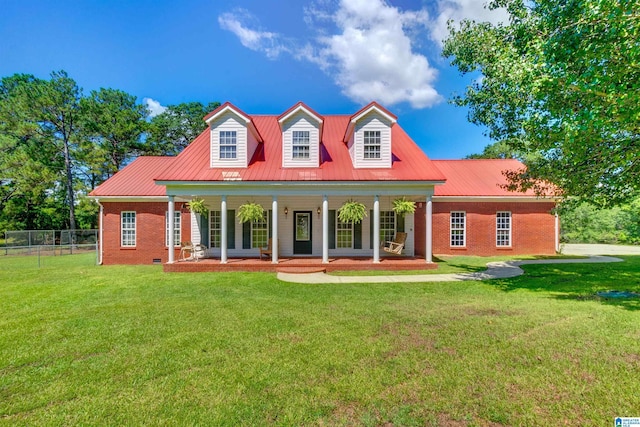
(196, 205)
(352, 211)
(403, 206)
(250, 211)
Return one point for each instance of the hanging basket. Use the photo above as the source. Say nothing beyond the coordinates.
(352, 211)
(250, 212)
(196, 205)
(403, 206)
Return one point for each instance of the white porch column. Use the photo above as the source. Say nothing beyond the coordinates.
(557, 232)
(274, 230)
(325, 229)
(171, 243)
(223, 230)
(376, 229)
(429, 237)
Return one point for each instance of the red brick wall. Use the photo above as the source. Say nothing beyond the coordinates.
(532, 228)
(150, 232)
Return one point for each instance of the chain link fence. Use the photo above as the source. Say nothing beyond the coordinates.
(50, 242)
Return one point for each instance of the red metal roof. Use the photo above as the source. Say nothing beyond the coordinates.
(477, 177)
(409, 161)
(135, 179)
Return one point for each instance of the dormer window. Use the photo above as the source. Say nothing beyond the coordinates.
(301, 148)
(228, 145)
(372, 144)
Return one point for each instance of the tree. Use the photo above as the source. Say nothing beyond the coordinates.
(560, 80)
(113, 125)
(172, 130)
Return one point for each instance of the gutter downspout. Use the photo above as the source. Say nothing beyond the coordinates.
(100, 247)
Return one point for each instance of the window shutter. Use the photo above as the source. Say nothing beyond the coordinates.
(269, 213)
(400, 223)
(246, 235)
(371, 229)
(204, 229)
(231, 229)
(357, 235)
(332, 229)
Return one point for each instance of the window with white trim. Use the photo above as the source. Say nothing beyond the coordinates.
(260, 232)
(503, 229)
(128, 229)
(176, 228)
(458, 226)
(387, 226)
(301, 146)
(215, 222)
(344, 234)
(228, 144)
(372, 147)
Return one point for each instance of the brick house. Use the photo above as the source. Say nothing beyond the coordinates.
(301, 167)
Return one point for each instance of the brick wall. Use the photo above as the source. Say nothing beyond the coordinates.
(532, 228)
(150, 232)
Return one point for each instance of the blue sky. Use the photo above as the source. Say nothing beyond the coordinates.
(261, 55)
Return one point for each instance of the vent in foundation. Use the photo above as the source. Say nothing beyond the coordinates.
(157, 261)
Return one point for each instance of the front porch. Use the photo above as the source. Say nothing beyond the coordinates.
(299, 265)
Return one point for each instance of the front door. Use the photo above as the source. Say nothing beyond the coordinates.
(302, 233)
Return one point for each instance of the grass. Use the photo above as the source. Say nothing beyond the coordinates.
(124, 345)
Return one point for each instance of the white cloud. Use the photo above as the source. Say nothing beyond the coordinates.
(458, 10)
(238, 23)
(154, 107)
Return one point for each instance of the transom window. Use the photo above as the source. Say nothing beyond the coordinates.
(503, 229)
(301, 147)
(372, 144)
(128, 228)
(457, 229)
(344, 234)
(260, 232)
(215, 221)
(176, 228)
(387, 226)
(228, 144)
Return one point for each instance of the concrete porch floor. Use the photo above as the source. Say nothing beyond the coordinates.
(300, 265)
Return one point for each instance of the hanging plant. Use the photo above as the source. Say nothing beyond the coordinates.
(403, 206)
(196, 205)
(352, 211)
(250, 212)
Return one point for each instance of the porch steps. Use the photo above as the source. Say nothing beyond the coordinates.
(301, 270)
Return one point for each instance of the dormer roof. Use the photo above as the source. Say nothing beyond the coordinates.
(229, 107)
(373, 106)
(309, 112)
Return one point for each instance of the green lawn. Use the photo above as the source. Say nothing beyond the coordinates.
(87, 345)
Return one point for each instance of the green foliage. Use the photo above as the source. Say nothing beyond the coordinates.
(403, 206)
(561, 80)
(352, 211)
(250, 212)
(197, 205)
(172, 130)
(586, 223)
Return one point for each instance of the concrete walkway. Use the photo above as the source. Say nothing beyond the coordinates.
(598, 249)
(495, 270)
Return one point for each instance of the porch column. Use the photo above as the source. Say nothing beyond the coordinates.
(274, 230)
(429, 237)
(171, 243)
(325, 229)
(376, 229)
(223, 230)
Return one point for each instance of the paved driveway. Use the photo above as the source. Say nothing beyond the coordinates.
(595, 249)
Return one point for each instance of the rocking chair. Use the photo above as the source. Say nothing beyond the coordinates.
(266, 251)
(397, 245)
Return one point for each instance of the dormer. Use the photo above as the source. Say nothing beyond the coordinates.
(368, 137)
(301, 136)
(234, 137)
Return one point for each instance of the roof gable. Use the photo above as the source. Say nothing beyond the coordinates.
(227, 107)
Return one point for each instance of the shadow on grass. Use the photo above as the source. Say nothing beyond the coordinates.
(580, 282)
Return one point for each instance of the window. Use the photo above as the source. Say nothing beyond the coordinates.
(301, 148)
(176, 228)
(371, 144)
(228, 146)
(260, 232)
(503, 229)
(458, 226)
(387, 226)
(128, 228)
(344, 234)
(215, 221)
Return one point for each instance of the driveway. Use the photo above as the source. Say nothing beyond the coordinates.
(596, 249)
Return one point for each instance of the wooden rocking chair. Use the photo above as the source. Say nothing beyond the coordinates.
(266, 251)
(397, 245)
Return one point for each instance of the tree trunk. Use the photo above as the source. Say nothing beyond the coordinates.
(70, 195)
